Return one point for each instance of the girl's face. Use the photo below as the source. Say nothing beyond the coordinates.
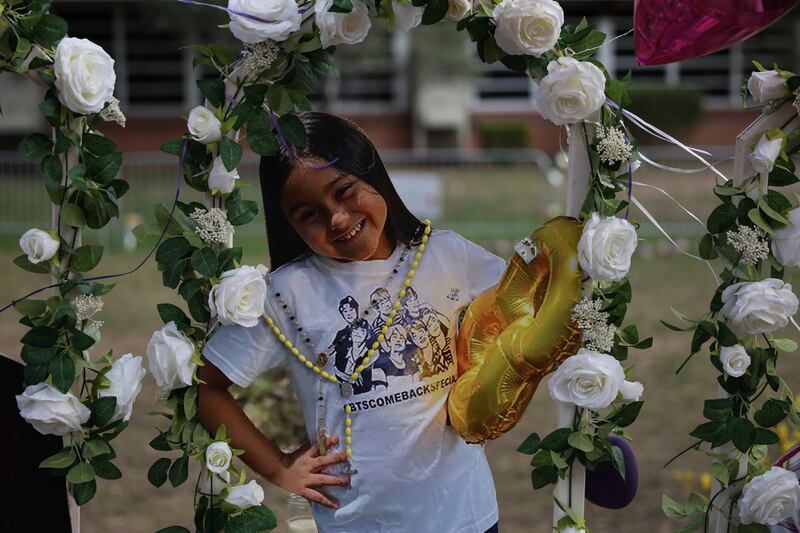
(338, 215)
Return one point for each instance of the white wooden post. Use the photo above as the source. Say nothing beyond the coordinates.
(571, 491)
(68, 233)
(786, 119)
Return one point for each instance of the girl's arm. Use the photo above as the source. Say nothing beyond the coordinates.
(299, 472)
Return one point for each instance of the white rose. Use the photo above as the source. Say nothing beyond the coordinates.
(407, 16)
(786, 241)
(239, 297)
(767, 85)
(341, 28)
(758, 306)
(218, 457)
(220, 179)
(244, 496)
(38, 245)
(213, 484)
(50, 411)
(283, 16)
(527, 27)
(204, 126)
(631, 391)
(571, 91)
(126, 376)
(587, 379)
(169, 355)
(606, 247)
(769, 498)
(458, 9)
(735, 360)
(766, 153)
(84, 75)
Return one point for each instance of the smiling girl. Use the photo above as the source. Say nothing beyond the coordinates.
(384, 457)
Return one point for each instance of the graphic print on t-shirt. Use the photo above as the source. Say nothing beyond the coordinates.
(415, 347)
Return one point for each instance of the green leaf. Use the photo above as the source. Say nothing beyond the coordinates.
(62, 371)
(541, 477)
(755, 217)
(179, 471)
(105, 168)
(785, 345)
(619, 460)
(173, 313)
(771, 413)
(190, 402)
(35, 374)
(50, 28)
(34, 308)
(628, 413)
(98, 144)
(765, 436)
(580, 441)
(278, 97)
(764, 206)
(41, 337)
(63, 459)
(172, 250)
(435, 11)
(204, 261)
(36, 268)
(243, 212)
(720, 471)
(84, 492)
(96, 447)
(174, 147)
(671, 508)
(81, 341)
(707, 249)
(743, 434)
(557, 440)
(230, 152)
(157, 474)
(73, 215)
(198, 307)
(35, 146)
(725, 335)
(161, 443)
(530, 445)
(87, 257)
(259, 518)
(214, 91)
(293, 130)
(81, 473)
(64, 317)
(106, 470)
(718, 409)
(752, 528)
(37, 356)
(173, 529)
(722, 218)
(103, 409)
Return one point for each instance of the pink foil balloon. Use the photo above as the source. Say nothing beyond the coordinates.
(673, 30)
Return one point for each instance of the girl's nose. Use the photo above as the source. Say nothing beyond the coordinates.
(339, 220)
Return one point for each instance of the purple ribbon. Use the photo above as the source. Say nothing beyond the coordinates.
(281, 138)
(143, 261)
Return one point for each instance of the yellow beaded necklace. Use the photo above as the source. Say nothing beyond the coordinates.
(369, 359)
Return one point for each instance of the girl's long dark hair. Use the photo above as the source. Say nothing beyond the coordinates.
(330, 138)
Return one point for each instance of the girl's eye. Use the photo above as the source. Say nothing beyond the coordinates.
(307, 215)
(343, 189)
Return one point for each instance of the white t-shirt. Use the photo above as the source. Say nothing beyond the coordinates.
(415, 473)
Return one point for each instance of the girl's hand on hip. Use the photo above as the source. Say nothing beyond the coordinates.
(302, 472)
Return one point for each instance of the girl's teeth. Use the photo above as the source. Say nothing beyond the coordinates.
(352, 233)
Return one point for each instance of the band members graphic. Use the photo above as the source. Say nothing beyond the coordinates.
(383, 302)
(398, 360)
(349, 355)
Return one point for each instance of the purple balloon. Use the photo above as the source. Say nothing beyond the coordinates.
(605, 487)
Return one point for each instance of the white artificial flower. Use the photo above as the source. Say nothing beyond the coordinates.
(571, 91)
(753, 307)
(213, 484)
(750, 242)
(218, 457)
(458, 9)
(527, 27)
(213, 226)
(220, 179)
(587, 379)
(86, 306)
(169, 356)
(631, 391)
(126, 377)
(767, 85)
(735, 360)
(606, 247)
(341, 28)
(769, 498)
(786, 240)
(281, 17)
(112, 113)
(50, 411)
(38, 245)
(244, 496)
(204, 126)
(407, 16)
(766, 153)
(239, 297)
(84, 75)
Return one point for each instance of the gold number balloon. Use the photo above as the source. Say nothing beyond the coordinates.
(517, 332)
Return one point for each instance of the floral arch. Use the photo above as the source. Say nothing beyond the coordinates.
(253, 98)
